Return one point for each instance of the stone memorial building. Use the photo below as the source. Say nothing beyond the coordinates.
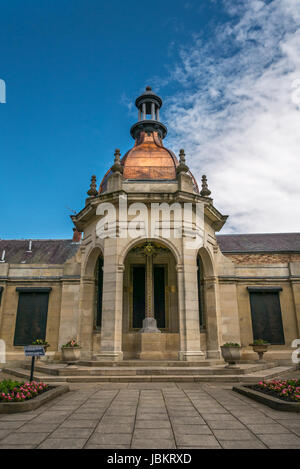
(150, 297)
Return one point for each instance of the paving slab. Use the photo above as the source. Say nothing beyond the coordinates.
(63, 443)
(208, 441)
(24, 438)
(111, 439)
(245, 444)
(153, 444)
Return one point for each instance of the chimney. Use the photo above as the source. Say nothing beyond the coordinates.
(76, 235)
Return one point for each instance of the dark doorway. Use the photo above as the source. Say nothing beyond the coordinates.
(31, 320)
(200, 291)
(99, 292)
(159, 296)
(138, 296)
(266, 317)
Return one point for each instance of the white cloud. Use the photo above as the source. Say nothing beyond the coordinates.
(237, 114)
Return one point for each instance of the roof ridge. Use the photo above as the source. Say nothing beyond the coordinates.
(258, 234)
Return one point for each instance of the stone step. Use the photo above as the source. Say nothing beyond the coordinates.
(242, 378)
(75, 370)
(149, 363)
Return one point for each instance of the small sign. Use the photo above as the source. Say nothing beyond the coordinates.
(34, 351)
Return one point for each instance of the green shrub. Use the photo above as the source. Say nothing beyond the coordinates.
(8, 385)
(231, 344)
(260, 342)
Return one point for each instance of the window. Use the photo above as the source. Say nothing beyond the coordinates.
(1, 290)
(32, 314)
(266, 314)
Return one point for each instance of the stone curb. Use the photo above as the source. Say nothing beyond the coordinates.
(270, 401)
(25, 406)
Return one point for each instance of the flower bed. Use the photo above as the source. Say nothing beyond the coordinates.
(286, 390)
(14, 391)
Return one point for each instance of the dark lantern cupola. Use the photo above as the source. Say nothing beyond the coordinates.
(148, 104)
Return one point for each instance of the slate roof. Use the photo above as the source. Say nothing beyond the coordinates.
(58, 251)
(43, 251)
(259, 243)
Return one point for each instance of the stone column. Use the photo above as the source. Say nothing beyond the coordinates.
(212, 317)
(150, 341)
(149, 323)
(86, 306)
(189, 326)
(295, 284)
(152, 111)
(111, 329)
(69, 316)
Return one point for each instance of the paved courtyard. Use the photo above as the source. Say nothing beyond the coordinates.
(151, 415)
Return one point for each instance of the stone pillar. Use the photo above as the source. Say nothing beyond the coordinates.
(86, 306)
(189, 326)
(111, 329)
(149, 323)
(152, 111)
(295, 284)
(229, 323)
(150, 341)
(212, 317)
(69, 317)
(144, 111)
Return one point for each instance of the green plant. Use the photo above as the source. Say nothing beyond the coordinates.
(8, 385)
(260, 342)
(41, 342)
(71, 344)
(231, 344)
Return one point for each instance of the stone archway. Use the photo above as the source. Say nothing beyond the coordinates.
(150, 291)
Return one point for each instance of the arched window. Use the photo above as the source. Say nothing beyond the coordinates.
(200, 292)
(99, 292)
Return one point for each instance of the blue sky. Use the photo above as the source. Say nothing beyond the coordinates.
(74, 67)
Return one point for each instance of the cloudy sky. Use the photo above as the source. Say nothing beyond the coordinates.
(229, 75)
(238, 113)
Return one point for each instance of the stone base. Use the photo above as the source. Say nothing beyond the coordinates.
(213, 354)
(150, 345)
(109, 356)
(150, 326)
(191, 356)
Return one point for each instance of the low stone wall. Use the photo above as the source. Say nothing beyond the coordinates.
(270, 401)
(25, 406)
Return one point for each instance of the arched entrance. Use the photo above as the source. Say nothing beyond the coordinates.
(150, 292)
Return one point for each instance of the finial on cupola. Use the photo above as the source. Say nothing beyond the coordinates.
(182, 167)
(205, 192)
(117, 166)
(92, 192)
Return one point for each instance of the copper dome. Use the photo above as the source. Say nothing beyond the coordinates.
(148, 160)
